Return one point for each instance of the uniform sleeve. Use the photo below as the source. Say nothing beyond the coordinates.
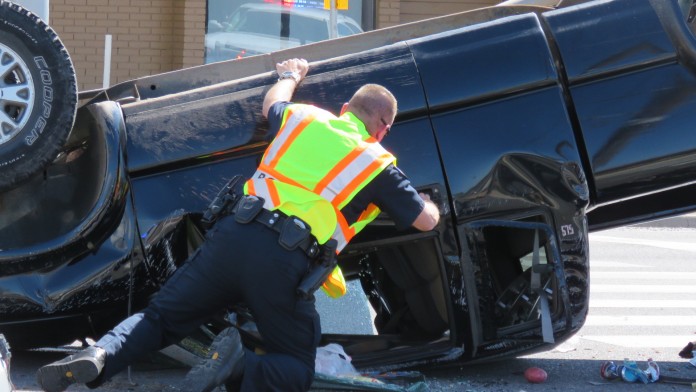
(397, 197)
(275, 118)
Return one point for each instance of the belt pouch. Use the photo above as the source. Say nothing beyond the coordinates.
(293, 233)
(248, 208)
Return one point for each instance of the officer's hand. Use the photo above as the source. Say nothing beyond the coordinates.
(429, 217)
(294, 65)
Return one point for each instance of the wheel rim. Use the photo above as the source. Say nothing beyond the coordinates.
(16, 94)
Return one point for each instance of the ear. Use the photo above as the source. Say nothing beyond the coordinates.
(344, 108)
(381, 134)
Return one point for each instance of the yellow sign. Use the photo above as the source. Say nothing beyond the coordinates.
(340, 4)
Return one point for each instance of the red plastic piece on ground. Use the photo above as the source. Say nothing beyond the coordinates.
(535, 375)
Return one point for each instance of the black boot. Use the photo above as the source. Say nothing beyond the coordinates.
(81, 367)
(225, 361)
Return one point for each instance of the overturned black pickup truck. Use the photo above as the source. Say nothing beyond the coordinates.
(529, 124)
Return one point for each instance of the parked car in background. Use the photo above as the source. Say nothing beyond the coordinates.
(529, 125)
(263, 28)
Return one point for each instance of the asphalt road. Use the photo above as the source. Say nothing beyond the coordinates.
(642, 306)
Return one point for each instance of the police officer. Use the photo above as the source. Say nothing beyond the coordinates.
(323, 178)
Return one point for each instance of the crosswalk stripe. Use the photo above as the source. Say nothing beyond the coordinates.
(616, 264)
(623, 275)
(593, 320)
(659, 301)
(641, 303)
(636, 341)
(645, 242)
(637, 288)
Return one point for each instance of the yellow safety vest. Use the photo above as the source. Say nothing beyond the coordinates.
(314, 167)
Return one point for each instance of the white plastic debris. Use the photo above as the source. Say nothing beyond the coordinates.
(333, 360)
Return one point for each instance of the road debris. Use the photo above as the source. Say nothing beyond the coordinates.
(535, 375)
(334, 371)
(630, 372)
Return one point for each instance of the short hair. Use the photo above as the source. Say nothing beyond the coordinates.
(371, 103)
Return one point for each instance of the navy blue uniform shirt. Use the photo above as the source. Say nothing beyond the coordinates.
(391, 190)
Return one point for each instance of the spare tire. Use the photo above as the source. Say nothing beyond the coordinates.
(38, 94)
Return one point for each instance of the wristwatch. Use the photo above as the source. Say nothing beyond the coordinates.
(290, 75)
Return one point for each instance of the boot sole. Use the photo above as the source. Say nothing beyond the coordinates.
(58, 377)
(214, 370)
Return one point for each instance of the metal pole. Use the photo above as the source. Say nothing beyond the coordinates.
(107, 61)
(333, 27)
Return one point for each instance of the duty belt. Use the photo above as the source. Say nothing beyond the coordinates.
(292, 232)
(277, 220)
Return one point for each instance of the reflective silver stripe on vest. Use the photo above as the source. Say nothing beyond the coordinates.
(340, 238)
(356, 167)
(294, 119)
(261, 189)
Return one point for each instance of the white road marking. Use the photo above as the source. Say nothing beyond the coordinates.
(648, 341)
(594, 264)
(610, 278)
(637, 288)
(665, 320)
(642, 303)
(625, 275)
(655, 243)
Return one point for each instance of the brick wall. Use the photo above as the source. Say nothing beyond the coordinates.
(192, 50)
(388, 13)
(393, 12)
(148, 36)
(412, 10)
(155, 36)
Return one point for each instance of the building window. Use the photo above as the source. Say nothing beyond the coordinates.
(243, 28)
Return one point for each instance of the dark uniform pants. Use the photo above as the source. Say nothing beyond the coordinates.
(237, 263)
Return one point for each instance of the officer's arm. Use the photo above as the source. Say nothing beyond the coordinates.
(429, 217)
(291, 73)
